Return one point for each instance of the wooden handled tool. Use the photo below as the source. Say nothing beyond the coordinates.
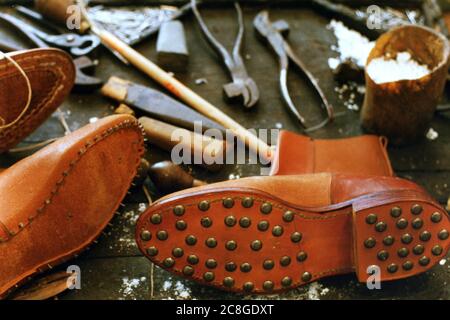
(168, 177)
(183, 92)
(46, 287)
(58, 11)
(200, 146)
(157, 105)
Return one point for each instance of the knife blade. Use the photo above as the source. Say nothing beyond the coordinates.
(156, 104)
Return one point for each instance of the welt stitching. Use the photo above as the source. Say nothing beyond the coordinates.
(37, 109)
(44, 55)
(332, 271)
(127, 124)
(261, 200)
(330, 186)
(52, 93)
(5, 229)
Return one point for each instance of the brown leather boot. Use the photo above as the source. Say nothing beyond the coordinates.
(56, 202)
(51, 73)
(267, 234)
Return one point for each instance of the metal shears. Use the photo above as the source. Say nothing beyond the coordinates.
(242, 85)
(273, 33)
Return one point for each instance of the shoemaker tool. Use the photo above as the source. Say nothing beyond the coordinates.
(166, 176)
(75, 44)
(156, 104)
(169, 177)
(135, 25)
(180, 90)
(209, 110)
(273, 33)
(242, 87)
(349, 17)
(185, 143)
(171, 46)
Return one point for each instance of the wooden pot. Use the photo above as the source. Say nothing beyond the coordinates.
(402, 110)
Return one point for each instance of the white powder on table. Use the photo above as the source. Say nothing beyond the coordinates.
(383, 70)
(350, 45)
(432, 134)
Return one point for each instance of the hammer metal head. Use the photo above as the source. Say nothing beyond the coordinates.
(282, 26)
(265, 27)
(83, 81)
(171, 46)
(243, 90)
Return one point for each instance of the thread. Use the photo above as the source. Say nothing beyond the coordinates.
(3, 124)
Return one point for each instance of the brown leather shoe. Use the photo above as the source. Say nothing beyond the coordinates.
(51, 73)
(267, 234)
(56, 202)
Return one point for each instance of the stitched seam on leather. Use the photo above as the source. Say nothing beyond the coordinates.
(387, 162)
(329, 196)
(5, 230)
(332, 186)
(331, 271)
(127, 124)
(279, 206)
(52, 93)
(36, 110)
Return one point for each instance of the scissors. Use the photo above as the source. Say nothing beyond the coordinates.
(77, 45)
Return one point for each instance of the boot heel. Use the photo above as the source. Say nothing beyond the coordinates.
(398, 238)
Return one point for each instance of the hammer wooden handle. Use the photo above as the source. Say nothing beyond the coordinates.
(168, 177)
(160, 134)
(183, 92)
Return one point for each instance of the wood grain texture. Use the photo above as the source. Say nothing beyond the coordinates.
(109, 267)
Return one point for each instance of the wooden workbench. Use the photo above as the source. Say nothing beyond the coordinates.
(115, 269)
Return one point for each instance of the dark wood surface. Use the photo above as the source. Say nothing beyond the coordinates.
(115, 269)
(401, 3)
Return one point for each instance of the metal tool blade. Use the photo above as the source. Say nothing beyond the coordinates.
(158, 105)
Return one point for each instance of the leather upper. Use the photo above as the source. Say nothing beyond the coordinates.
(298, 154)
(51, 73)
(311, 190)
(346, 187)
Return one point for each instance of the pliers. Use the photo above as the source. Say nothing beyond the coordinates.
(273, 33)
(83, 82)
(76, 44)
(242, 86)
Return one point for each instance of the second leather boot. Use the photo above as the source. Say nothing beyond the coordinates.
(268, 234)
